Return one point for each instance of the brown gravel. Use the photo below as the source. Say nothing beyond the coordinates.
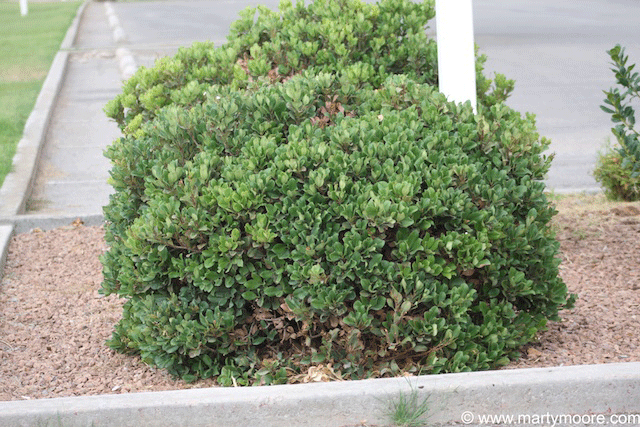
(600, 244)
(53, 322)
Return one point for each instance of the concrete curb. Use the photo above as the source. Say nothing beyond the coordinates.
(6, 231)
(576, 390)
(27, 223)
(126, 60)
(70, 38)
(17, 184)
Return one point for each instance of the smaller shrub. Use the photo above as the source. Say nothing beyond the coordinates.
(619, 170)
(616, 177)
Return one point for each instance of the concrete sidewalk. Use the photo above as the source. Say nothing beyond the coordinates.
(73, 172)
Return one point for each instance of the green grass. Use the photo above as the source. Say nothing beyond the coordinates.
(29, 44)
(408, 409)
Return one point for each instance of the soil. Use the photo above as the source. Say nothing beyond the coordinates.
(54, 323)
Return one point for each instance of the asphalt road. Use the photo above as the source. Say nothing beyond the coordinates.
(555, 51)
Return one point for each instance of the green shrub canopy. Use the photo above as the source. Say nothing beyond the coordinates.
(338, 212)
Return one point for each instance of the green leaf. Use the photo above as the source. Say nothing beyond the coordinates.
(249, 295)
(281, 251)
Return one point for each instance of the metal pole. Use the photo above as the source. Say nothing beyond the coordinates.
(24, 8)
(456, 50)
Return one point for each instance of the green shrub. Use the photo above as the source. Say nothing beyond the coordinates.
(617, 177)
(619, 170)
(345, 215)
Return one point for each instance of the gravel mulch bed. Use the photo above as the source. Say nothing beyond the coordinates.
(53, 322)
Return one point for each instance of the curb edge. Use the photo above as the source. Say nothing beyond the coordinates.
(587, 389)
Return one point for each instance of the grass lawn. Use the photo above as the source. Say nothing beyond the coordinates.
(29, 44)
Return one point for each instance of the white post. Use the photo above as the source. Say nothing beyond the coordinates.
(24, 9)
(456, 50)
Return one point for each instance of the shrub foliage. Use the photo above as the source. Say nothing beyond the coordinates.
(277, 207)
(619, 170)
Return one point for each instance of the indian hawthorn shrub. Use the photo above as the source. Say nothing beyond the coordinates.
(325, 208)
